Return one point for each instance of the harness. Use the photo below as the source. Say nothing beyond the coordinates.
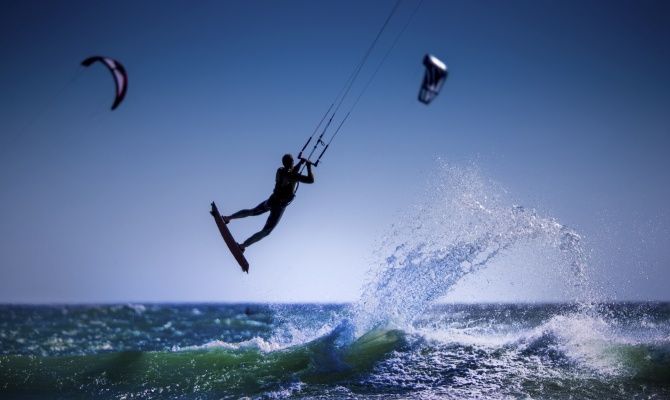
(283, 192)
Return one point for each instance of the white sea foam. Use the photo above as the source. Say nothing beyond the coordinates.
(256, 343)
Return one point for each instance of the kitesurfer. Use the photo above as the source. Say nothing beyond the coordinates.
(286, 179)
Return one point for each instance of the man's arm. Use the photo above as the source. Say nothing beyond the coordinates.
(309, 178)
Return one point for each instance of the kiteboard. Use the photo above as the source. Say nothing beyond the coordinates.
(229, 239)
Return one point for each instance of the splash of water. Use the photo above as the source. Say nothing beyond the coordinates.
(463, 224)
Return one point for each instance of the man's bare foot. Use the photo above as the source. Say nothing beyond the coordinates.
(225, 219)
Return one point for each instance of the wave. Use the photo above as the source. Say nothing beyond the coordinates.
(583, 344)
(234, 369)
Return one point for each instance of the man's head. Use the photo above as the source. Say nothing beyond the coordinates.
(287, 160)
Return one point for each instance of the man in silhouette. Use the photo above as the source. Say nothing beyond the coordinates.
(286, 179)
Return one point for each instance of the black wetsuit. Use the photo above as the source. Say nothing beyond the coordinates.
(282, 195)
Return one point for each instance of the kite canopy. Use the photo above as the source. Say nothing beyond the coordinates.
(118, 73)
(433, 79)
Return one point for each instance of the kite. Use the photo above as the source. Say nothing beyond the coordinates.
(118, 73)
(433, 79)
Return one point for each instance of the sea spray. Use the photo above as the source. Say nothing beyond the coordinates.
(461, 224)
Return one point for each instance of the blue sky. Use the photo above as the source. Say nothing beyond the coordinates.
(563, 103)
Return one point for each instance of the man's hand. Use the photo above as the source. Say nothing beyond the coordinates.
(310, 176)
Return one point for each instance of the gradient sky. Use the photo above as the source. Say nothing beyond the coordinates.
(564, 103)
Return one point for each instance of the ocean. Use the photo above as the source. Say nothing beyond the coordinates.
(406, 336)
(265, 351)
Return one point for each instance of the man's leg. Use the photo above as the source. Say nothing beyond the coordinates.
(273, 220)
(258, 210)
